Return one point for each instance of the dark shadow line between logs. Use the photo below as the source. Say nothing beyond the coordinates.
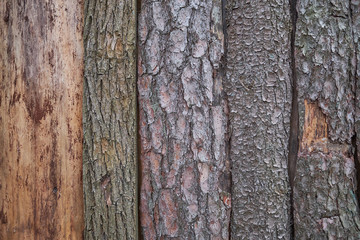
(138, 138)
(294, 118)
(354, 138)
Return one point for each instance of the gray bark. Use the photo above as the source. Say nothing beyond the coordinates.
(109, 119)
(185, 186)
(355, 7)
(258, 86)
(325, 201)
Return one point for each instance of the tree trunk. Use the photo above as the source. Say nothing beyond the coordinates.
(258, 86)
(185, 186)
(325, 185)
(110, 159)
(41, 79)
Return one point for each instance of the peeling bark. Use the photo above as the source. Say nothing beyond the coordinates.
(41, 67)
(185, 186)
(258, 85)
(325, 203)
(110, 161)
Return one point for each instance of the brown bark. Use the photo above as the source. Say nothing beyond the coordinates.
(325, 202)
(258, 86)
(41, 77)
(185, 186)
(110, 161)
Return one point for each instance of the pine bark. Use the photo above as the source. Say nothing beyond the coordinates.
(110, 151)
(185, 179)
(325, 200)
(258, 85)
(41, 67)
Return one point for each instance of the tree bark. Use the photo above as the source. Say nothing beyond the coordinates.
(325, 200)
(41, 79)
(258, 86)
(355, 14)
(185, 186)
(110, 151)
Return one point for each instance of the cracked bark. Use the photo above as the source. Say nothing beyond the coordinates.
(258, 86)
(185, 186)
(40, 120)
(109, 119)
(325, 203)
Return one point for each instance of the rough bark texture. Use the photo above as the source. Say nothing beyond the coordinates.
(355, 14)
(110, 161)
(325, 184)
(185, 187)
(259, 93)
(41, 68)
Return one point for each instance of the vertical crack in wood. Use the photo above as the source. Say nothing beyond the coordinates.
(294, 120)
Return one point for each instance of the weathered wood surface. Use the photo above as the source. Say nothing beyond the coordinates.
(41, 82)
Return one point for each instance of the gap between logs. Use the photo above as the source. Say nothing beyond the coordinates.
(138, 140)
(294, 120)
